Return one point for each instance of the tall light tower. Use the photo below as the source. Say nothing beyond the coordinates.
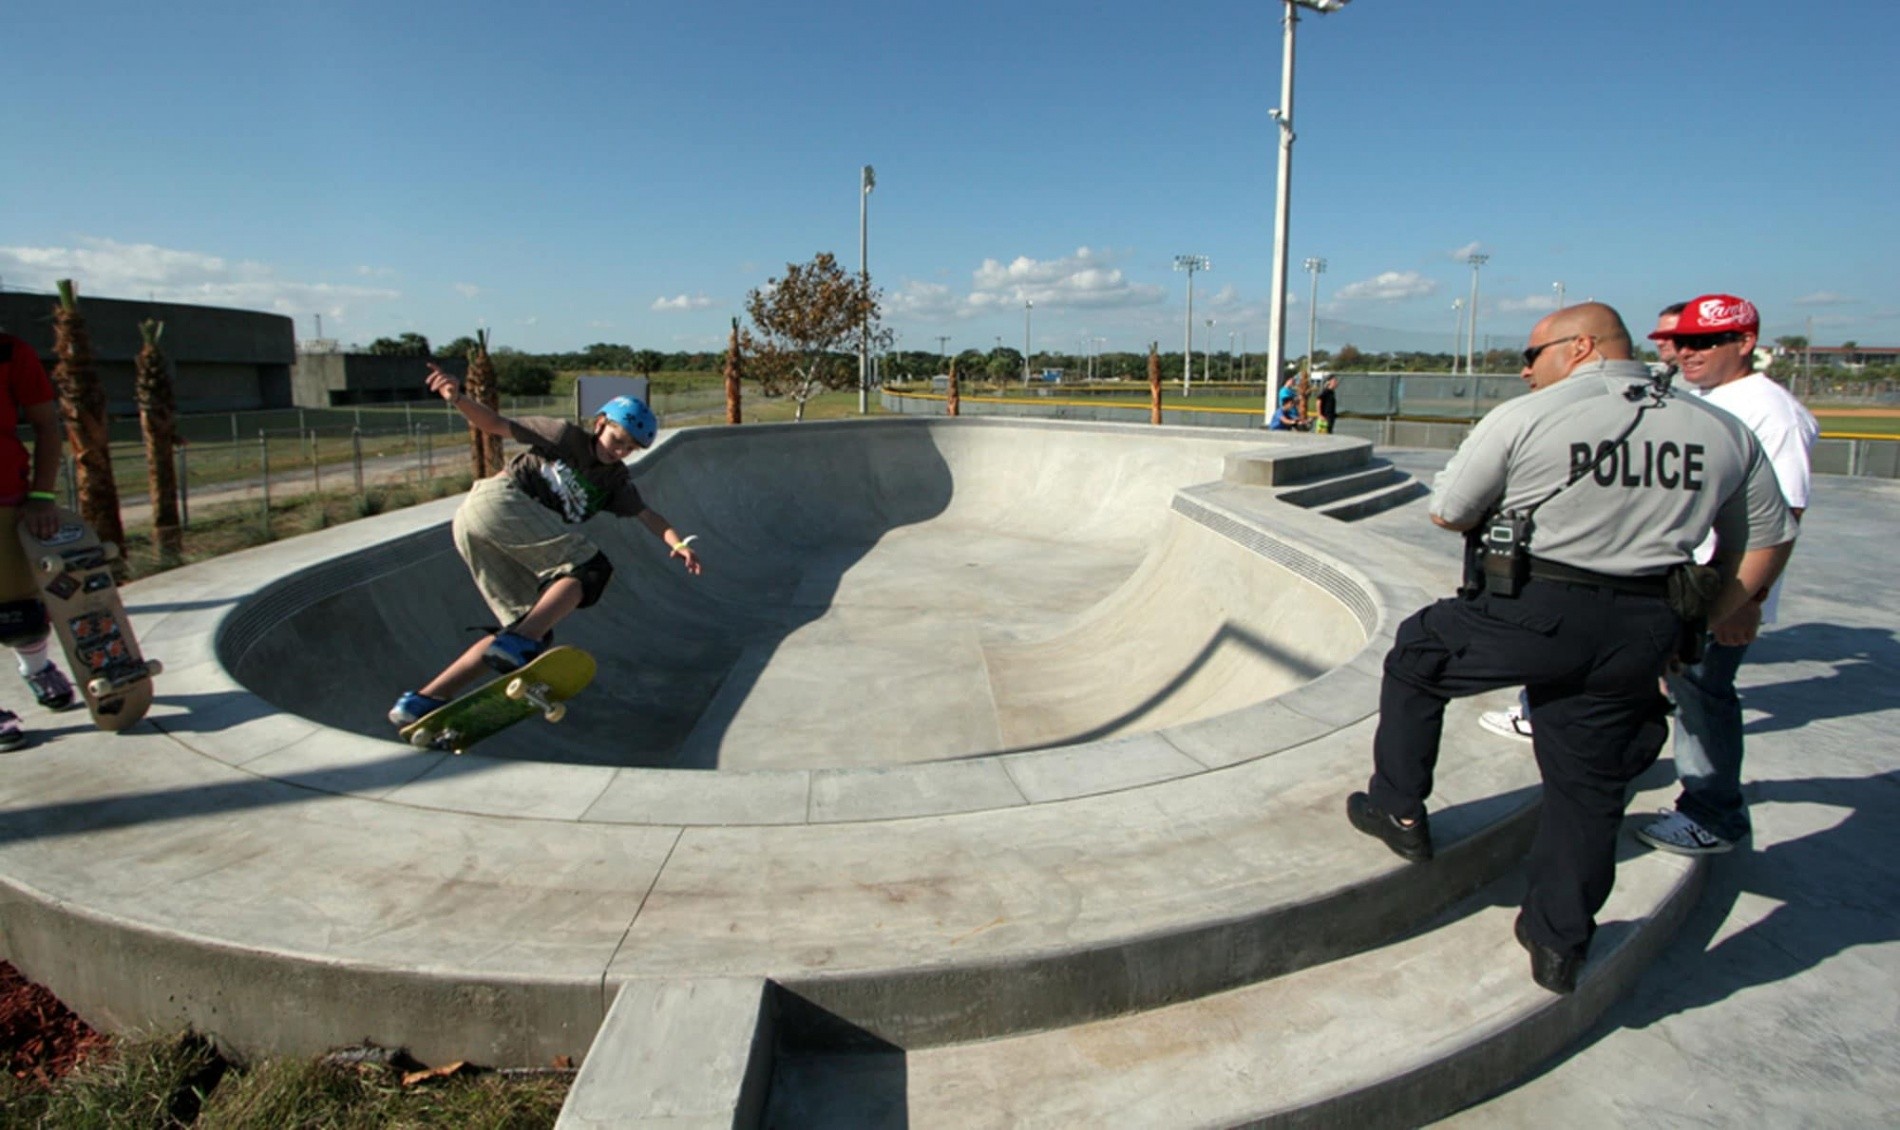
(1457, 332)
(1190, 264)
(1477, 259)
(867, 180)
(1316, 268)
(1283, 114)
(1207, 353)
(1027, 307)
(1558, 286)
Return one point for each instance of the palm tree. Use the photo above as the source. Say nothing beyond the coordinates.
(735, 373)
(83, 405)
(158, 418)
(484, 449)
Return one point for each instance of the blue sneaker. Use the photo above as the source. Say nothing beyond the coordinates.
(510, 652)
(411, 707)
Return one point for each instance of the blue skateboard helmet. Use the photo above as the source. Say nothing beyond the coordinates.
(634, 416)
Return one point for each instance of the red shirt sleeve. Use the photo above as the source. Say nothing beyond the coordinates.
(26, 377)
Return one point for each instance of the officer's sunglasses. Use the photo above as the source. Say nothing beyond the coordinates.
(1705, 341)
(1534, 352)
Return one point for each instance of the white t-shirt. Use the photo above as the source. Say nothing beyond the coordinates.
(1786, 430)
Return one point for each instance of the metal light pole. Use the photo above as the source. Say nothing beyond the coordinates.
(1559, 287)
(1190, 264)
(1027, 307)
(1207, 353)
(1243, 356)
(1283, 114)
(1477, 259)
(1316, 268)
(1457, 332)
(867, 180)
(1230, 355)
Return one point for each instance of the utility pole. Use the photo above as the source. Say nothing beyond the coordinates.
(1477, 259)
(1190, 264)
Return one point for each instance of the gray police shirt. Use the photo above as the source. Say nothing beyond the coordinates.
(1685, 469)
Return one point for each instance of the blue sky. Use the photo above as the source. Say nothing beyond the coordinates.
(627, 172)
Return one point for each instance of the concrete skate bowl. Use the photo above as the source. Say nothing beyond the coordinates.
(875, 593)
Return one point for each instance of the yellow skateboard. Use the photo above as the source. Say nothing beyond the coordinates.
(74, 570)
(542, 686)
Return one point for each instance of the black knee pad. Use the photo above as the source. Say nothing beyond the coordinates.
(22, 623)
(594, 577)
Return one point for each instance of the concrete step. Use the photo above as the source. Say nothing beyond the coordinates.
(1378, 474)
(1373, 502)
(1393, 1036)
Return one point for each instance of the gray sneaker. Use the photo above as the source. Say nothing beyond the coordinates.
(1682, 835)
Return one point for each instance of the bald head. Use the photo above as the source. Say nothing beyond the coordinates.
(1602, 324)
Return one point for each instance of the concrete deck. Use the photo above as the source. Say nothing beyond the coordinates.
(260, 860)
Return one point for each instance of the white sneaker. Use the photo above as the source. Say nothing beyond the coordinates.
(1509, 723)
(1678, 833)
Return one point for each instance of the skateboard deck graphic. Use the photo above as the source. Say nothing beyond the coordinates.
(542, 687)
(74, 571)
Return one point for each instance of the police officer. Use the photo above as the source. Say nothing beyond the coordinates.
(1606, 481)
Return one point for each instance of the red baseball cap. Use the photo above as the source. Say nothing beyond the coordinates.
(1714, 314)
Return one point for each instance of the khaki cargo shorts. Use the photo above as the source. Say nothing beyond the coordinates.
(515, 547)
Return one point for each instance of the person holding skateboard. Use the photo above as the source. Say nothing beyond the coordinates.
(514, 530)
(27, 498)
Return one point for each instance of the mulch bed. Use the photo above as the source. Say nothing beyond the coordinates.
(40, 1038)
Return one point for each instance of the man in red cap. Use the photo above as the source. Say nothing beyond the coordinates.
(1714, 339)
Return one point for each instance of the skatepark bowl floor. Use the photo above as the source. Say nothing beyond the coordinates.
(872, 595)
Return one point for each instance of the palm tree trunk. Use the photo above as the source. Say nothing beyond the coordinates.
(735, 370)
(83, 405)
(484, 449)
(158, 418)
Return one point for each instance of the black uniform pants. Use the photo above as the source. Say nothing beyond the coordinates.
(1590, 659)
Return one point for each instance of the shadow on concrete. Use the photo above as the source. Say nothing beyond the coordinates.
(1865, 678)
(827, 1071)
(159, 806)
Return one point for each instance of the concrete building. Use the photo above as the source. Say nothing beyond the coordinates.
(222, 360)
(339, 380)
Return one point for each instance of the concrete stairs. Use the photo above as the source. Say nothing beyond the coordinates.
(1390, 995)
(1333, 476)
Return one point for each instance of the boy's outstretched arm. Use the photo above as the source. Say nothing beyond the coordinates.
(480, 416)
(662, 529)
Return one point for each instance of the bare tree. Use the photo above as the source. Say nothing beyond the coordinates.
(83, 405)
(806, 327)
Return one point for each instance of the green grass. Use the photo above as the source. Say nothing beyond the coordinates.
(1832, 424)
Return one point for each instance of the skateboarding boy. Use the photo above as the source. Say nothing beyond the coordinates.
(26, 497)
(514, 530)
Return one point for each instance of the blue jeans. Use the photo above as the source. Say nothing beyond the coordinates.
(1708, 744)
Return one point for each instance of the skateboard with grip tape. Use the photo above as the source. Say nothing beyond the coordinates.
(74, 571)
(542, 686)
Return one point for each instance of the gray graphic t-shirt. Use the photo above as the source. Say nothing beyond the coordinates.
(561, 471)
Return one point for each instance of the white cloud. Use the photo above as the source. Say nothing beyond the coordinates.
(369, 272)
(683, 302)
(1084, 280)
(1467, 251)
(1388, 286)
(1531, 303)
(107, 268)
(468, 290)
(1823, 298)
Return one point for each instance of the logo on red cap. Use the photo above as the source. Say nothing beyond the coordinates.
(1718, 313)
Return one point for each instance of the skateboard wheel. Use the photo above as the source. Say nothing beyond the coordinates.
(97, 687)
(515, 689)
(49, 564)
(556, 712)
(110, 550)
(154, 667)
(421, 739)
